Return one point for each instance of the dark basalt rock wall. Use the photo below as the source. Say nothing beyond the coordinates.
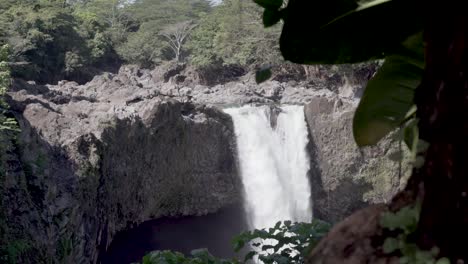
(85, 167)
(343, 177)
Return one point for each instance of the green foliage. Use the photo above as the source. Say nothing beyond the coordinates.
(141, 47)
(74, 40)
(110, 16)
(6, 123)
(271, 17)
(349, 31)
(147, 46)
(13, 250)
(168, 12)
(199, 256)
(35, 34)
(4, 69)
(204, 40)
(50, 42)
(409, 133)
(405, 222)
(346, 31)
(272, 14)
(270, 4)
(286, 242)
(10, 251)
(232, 34)
(389, 94)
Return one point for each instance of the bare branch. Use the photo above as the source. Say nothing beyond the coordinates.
(176, 35)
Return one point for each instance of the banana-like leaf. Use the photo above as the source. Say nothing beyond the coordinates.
(388, 98)
(346, 31)
(269, 4)
(271, 17)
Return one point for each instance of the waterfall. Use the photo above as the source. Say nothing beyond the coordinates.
(273, 163)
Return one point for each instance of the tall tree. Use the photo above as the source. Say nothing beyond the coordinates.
(233, 34)
(158, 35)
(111, 16)
(176, 35)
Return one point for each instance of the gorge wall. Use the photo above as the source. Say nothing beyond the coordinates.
(87, 165)
(343, 177)
(94, 159)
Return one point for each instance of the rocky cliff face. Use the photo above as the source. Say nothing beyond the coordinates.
(94, 159)
(343, 177)
(89, 162)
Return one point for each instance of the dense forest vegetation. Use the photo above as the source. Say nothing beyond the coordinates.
(51, 40)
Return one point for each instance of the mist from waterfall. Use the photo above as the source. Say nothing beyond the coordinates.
(273, 163)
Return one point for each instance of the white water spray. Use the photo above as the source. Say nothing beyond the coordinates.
(273, 163)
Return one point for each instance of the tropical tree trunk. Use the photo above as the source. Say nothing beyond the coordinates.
(442, 101)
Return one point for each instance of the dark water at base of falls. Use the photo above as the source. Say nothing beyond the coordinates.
(213, 231)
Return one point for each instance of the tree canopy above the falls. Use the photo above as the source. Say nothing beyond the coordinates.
(75, 40)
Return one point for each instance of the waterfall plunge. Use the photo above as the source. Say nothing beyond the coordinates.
(273, 164)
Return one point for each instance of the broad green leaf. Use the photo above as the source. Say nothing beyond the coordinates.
(270, 4)
(387, 99)
(342, 31)
(271, 17)
(277, 225)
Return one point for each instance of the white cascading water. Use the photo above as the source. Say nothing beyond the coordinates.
(273, 163)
